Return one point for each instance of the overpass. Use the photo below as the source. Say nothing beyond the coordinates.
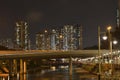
(49, 54)
(19, 58)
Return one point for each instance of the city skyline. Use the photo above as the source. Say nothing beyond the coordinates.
(39, 13)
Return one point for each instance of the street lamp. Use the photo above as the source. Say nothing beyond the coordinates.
(99, 48)
(111, 42)
(110, 46)
(115, 42)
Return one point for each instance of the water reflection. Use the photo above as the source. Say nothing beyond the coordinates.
(22, 77)
(58, 74)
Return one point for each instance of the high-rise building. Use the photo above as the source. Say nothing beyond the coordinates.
(78, 37)
(119, 5)
(61, 39)
(55, 42)
(118, 22)
(72, 37)
(53, 39)
(118, 15)
(67, 38)
(40, 41)
(43, 41)
(22, 35)
(8, 43)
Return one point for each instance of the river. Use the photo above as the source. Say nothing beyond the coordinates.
(56, 74)
(61, 74)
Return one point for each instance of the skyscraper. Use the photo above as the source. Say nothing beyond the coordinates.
(53, 39)
(67, 38)
(22, 35)
(118, 22)
(40, 41)
(118, 14)
(7, 43)
(43, 41)
(119, 4)
(72, 37)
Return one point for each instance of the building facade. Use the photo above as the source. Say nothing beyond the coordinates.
(22, 41)
(8, 43)
(43, 41)
(67, 38)
(72, 37)
(118, 15)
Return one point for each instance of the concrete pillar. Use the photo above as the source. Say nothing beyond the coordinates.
(25, 70)
(21, 66)
(70, 66)
(10, 69)
(21, 69)
(15, 66)
(25, 67)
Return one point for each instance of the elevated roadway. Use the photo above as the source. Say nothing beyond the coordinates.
(49, 54)
(19, 58)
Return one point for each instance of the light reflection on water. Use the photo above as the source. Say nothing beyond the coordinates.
(58, 75)
(61, 74)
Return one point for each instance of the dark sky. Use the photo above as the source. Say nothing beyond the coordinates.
(38, 13)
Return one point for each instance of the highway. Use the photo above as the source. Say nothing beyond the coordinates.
(49, 54)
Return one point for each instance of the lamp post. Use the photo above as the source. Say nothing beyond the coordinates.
(110, 47)
(111, 42)
(99, 53)
(99, 48)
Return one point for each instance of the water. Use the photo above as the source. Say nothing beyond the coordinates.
(58, 74)
(61, 74)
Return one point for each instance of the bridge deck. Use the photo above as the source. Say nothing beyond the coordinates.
(49, 53)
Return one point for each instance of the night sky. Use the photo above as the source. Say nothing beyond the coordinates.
(39, 13)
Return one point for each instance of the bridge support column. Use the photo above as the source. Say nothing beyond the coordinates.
(15, 66)
(70, 66)
(21, 66)
(23, 69)
(12, 68)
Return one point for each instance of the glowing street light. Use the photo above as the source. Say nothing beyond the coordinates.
(104, 37)
(109, 28)
(115, 42)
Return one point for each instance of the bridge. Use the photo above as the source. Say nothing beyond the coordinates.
(19, 58)
(49, 54)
